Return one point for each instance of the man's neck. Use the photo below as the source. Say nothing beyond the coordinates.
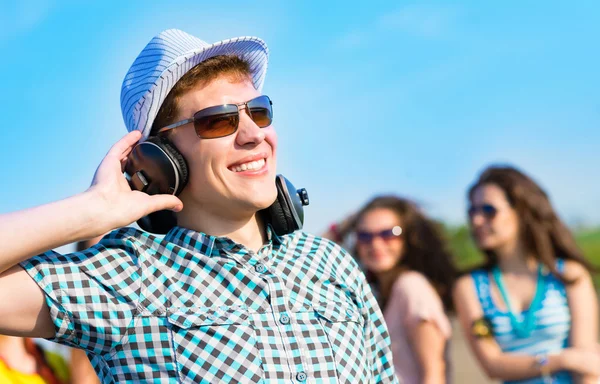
(248, 231)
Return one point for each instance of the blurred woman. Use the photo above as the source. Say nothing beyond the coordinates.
(22, 361)
(411, 273)
(530, 312)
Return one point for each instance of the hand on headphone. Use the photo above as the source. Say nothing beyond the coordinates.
(118, 205)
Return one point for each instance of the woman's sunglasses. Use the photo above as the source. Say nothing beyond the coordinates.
(487, 210)
(223, 120)
(365, 237)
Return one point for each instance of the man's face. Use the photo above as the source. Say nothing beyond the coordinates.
(230, 176)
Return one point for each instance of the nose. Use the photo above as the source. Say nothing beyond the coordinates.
(377, 242)
(248, 131)
(477, 219)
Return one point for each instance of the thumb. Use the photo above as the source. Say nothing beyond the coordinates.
(160, 202)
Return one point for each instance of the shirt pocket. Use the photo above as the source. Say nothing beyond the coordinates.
(216, 345)
(344, 326)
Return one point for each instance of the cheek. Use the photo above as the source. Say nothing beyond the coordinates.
(508, 228)
(396, 247)
(362, 251)
(271, 137)
(202, 170)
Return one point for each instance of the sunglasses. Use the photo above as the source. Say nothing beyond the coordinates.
(365, 237)
(223, 120)
(487, 210)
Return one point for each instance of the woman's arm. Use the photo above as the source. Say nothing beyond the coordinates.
(428, 344)
(512, 366)
(583, 305)
(416, 306)
(81, 369)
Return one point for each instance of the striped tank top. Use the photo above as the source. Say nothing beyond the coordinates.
(552, 322)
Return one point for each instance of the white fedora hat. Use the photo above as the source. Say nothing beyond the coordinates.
(169, 56)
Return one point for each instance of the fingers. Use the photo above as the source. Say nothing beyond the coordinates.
(123, 147)
(160, 202)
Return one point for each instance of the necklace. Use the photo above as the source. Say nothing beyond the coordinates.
(522, 328)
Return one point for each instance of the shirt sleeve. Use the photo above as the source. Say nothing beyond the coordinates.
(91, 295)
(415, 300)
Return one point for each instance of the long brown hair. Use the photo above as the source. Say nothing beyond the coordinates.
(543, 234)
(425, 249)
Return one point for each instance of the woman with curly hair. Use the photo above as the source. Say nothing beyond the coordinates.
(411, 271)
(530, 311)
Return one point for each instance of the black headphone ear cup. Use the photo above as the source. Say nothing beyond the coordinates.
(177, 158)
(279, 214)
(155, 166)
(286, 214)
(159, 222)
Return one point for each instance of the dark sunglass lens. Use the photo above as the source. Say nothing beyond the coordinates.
(387, 234)
(216, 121)
(210, 127)
(472, 211)
(489, 211)
(261, 110)
(262, 117)
(364, 237)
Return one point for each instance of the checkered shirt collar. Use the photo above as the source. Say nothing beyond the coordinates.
(211, 245)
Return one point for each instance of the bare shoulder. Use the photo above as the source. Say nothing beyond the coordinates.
(465, 299)
(575, 271)
(464, 286)
(412, 278)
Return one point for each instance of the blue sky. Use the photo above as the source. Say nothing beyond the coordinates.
(411, 98)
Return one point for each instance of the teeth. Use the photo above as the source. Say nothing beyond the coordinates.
(251, 166)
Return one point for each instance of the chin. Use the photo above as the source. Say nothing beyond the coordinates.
(379, 268)
(259, 200)
(486, 245)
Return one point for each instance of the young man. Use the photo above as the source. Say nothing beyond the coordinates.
(221, 298)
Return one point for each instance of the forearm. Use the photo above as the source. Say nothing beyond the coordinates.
(27, 233)
(587, 379)
(509, 366)
(428, 344)
(583, 306)
(435, 373)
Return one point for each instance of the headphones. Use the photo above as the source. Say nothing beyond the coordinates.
(155, 166)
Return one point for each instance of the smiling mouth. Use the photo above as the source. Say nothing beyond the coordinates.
(249, 166)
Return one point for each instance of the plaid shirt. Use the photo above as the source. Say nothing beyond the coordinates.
(194, 308)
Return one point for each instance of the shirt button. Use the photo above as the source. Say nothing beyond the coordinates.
(284, 319)
(260, 268)
(349, 312)
(301, 376)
